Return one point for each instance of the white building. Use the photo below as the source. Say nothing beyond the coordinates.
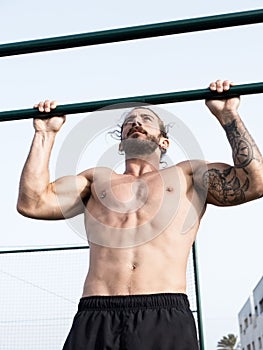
(250, 320)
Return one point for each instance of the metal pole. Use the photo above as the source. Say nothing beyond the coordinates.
(172, 97)
(37, 250)
(198, 300)
(133, 33)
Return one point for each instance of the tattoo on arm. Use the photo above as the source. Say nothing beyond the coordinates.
(225, 186)
(228, 186)
(241, 146)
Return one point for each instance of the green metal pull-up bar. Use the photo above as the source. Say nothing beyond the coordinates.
(133, 33)
(171, 97)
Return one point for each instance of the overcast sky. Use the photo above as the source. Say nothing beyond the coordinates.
(230, 239)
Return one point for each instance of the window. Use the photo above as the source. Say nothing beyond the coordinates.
(261, 306)
(248, 347)
(253, 346)
(259, 343)
(250, 318)
(256, 311)
(246, 323)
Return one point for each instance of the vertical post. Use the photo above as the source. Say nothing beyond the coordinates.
(198, 299)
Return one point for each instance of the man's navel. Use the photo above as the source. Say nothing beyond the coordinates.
(169, 189)
(133, 267)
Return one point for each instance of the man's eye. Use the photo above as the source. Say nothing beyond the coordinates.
(127, 121)
(148, 119)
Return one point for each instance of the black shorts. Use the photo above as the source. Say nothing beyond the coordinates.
(135, 322)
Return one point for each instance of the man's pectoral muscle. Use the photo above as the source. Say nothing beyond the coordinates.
(140, 208)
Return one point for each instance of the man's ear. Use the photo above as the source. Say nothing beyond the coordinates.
(120, 147)
(164, 143)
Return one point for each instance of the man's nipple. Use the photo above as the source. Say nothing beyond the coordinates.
(102, 194)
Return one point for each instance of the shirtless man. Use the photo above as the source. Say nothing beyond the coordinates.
(140, 225)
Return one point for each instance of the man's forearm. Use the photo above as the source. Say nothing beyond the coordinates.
(35, 175)
(244, 148)
(246, 155)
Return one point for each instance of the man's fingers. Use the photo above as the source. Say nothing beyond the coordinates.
(53, 104)
(212, 86)
(46, 106)
(227, 84)
(221, 85)
(41, 106)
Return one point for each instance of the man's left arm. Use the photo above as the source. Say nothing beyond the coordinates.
(242, 182)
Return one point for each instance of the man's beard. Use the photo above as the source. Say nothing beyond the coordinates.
(134, 147)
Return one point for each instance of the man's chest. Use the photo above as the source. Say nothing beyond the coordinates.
(129, 194)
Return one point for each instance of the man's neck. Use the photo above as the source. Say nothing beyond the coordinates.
(138, 167)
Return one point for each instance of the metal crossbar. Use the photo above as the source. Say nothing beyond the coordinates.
(133, 33)
(181, 96)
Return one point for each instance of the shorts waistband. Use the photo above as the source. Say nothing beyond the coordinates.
(115, 302)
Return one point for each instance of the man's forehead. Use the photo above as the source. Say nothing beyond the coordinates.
(141, 111)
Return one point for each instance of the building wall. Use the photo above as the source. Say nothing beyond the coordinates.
(250, 320)
(258, 314)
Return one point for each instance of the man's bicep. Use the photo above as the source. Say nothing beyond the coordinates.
(67, 196)
(226, 185)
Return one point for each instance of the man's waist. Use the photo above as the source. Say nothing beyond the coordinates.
(135, 301)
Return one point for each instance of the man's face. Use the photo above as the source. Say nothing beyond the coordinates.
(140, 132)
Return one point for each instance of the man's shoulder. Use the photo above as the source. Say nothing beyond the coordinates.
(190, 167)
(91, 173)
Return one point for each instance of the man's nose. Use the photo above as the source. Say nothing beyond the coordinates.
(136, 122)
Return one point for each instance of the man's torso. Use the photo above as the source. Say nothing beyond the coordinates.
(140, 231)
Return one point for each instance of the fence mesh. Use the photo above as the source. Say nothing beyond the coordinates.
(40, 291)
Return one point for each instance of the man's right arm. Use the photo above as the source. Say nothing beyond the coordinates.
(38, 197)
